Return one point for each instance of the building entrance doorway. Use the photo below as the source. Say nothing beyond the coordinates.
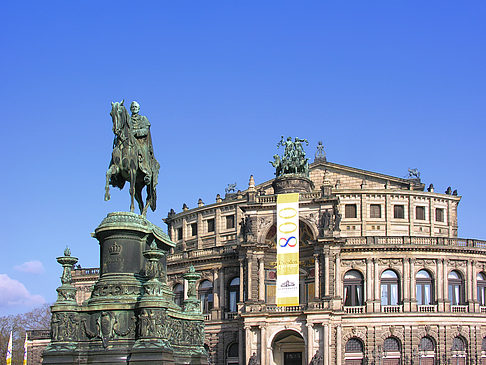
(288, 348)
(292, 358)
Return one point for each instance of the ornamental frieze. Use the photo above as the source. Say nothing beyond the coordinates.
(390, 262)
(424, 262)
(156, 323)
(353, 263)
(64, 326)
(115, 290)
(456, 263)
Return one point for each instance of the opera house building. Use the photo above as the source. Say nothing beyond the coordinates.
(383, 277)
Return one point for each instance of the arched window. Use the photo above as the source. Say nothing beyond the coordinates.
(353, 288)
(481, 283)
(234, 294)
(232, 354)
(178, 291)
(206, 296)
(424, 288)
(354, 352)
(483, 351)
(392, 350)
(456, 288)
(427, 351)
(389, 288)
(458, 351)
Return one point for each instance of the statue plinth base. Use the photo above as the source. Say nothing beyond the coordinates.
(131, 317)
(290, 183)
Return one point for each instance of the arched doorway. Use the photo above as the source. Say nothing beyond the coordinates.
(288, 348)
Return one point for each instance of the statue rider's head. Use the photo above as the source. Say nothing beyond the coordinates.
(134, 107)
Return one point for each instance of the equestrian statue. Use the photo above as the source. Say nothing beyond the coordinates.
(132, 159)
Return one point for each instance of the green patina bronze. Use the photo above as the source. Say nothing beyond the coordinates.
(293, 161)
(132, 159)
(130, 317)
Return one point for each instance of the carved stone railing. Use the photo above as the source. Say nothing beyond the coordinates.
(392, 308)
(84, 272)
(207, 316)
(205, 252)
(316, 305)
(293, 308)
(426, 308)
(409, 240)
(310, 196)
(482, 309)
(354, 309)
(459, 308)
(272, 199)
(266, 199)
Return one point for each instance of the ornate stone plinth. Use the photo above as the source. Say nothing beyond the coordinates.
(131, 317)
(290, 183)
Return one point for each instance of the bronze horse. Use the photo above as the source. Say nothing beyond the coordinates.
(125, 166)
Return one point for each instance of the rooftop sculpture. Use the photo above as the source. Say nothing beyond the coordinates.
(294, 160)
(132, 159)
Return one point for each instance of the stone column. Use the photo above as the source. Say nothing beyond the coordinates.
(217, 226)
(261, 279)
(326, 274)
(337, 283)
(249, 273)
(241, 349)
(431, 217)
(376, 280)
(413, 294)
(215, 291)
(199, 230)
(338, 345)
(326, 344)
(184, 233)
(222, 301)
(406, 297)
(310, 341)
(242, 280)
(475, 286)
(445, 287)
(247, 343)
(439, 287)
(317, 282)
(263, 345)
(469, 279)
(369, 281)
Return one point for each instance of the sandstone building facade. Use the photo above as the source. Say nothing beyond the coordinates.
(388, 283)
(384, 279)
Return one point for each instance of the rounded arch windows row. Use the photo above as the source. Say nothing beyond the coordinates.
(205, 294)
(390, 352)
(390, 290)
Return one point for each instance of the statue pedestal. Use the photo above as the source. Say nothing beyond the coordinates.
(131, 317)
(290, 183)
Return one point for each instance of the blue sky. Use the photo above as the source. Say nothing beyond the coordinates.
(386, 85)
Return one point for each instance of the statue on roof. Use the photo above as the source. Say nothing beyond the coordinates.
(320, 153)
(413, 174)
(293, 160)
(132, 159)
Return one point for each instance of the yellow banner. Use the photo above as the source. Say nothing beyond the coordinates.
(287, 250)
